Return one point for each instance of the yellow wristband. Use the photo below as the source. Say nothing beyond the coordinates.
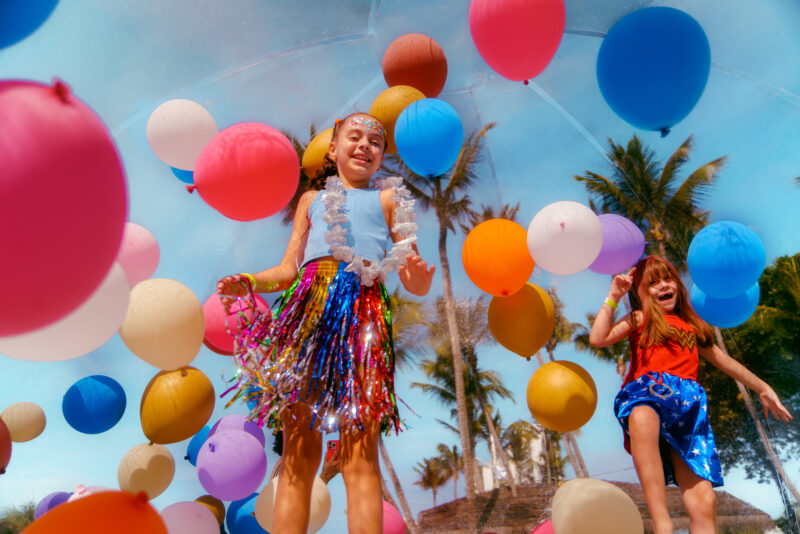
(251, 279)
(611, 303)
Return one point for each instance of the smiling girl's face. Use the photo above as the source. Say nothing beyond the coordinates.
(358, 149)
(662, 291)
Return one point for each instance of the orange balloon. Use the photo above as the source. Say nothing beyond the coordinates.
(176, 404)
(389, 105)
(417, 60)
(215, 505)
(562, 396)
(496, 257)
(109, 511)
(314, 155)
(523, 322)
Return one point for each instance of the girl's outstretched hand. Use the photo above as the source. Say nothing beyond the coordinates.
(772, 404)
(415, 275)
(621, 284)
(230, 287)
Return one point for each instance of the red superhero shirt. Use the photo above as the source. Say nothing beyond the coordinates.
(678, 356)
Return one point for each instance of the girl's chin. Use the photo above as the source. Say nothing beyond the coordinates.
(666, 307)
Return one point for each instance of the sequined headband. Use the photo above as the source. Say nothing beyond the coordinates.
(369, 122)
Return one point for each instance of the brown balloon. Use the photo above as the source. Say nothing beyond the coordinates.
(215, 505)
(176, 404)
(417, 60)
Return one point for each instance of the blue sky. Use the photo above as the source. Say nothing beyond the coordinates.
(291, 66)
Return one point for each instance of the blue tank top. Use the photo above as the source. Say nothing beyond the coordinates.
(366, 228)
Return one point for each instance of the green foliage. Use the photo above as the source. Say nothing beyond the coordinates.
(517, 439)
(432, 475)
(619, 353)
(16, 518)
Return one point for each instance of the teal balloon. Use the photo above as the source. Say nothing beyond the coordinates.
(20, 18)
(725, 313)
(428, 134)
(196, 443)
(94, 404)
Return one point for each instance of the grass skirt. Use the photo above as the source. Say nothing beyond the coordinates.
(328, 345)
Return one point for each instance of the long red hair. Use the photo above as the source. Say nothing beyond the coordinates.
(655, 329)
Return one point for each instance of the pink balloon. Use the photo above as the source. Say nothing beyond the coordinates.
(217, 337)
(231, 465)
(517, 38)
(544, 528)
(138, 254)
(248, 171)
(238, 422)
(62, 204)
(189, 517)
(392, 520)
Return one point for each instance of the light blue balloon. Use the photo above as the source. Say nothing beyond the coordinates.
(428, 135)
(725, 313)
(186, 177)
(20, 18)
(94, 404)
(196, 443)
(240, 518)
(653, 66)
(725, 259)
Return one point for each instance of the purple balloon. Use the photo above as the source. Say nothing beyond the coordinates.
(50, 502)
(231, 465)
(623, 245)
(239, 422)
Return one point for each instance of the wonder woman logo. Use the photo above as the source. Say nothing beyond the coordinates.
(686, 339)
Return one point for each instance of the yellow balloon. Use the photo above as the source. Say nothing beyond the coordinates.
(176, 404)
(146, 467)
(215, 505)
(314, 155)
(562, 396)
(25, 421)
(523, 322)
(591, 506)
(389, 105)
(164, 325)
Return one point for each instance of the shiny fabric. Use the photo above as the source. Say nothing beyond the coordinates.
(678, 356)
(329, 346)
(682, 406)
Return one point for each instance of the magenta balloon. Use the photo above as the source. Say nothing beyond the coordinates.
(50, 502)
(544, 528)
(623, 245)
(216, 336)
(517, 38)
(231, 465)
(238, 422)
(392, 520)
(63, 203)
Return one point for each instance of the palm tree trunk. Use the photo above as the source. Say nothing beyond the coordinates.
(455, 485)
(549, 457)
(751, 409)
(401, 496)
(387, 496)
(434, 497)
(458, 365)
(578, 454)
(499, 446)
(575, 466)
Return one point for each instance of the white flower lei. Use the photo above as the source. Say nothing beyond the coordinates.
(336, 237)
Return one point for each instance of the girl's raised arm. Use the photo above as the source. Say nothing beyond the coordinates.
(604, 331)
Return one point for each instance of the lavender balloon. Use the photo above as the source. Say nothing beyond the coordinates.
(623, 245)
(50, 502)
(231, 465)
(238, 422)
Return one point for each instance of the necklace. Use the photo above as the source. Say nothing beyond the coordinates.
(336, 236)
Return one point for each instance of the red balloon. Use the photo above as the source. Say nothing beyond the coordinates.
(5, 447)
(417, 60)
(517, 38)
(248, 171)
(544, 528)
(63, 204)
(217, 337)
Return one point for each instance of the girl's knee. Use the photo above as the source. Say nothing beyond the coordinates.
(643, 418)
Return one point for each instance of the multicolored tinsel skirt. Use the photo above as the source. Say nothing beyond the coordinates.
(682, 406)
(328, 345)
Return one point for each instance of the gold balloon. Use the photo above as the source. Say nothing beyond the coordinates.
(389, 105)
(215, 505)
(146, 467)
(562, 396)
(523, 322)
(176, 404)
(25, 421)
(314, 155)
(591, 506)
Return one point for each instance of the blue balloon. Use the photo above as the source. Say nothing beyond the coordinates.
(725, 313)
(186, 177)
(18, 19)
(725, 259)
(240, 518)
(653, 66)
(94, 404)
(428, 135)
(196, 443)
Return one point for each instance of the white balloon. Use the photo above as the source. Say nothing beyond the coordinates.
(189, 517)
(319, 511)
(147, 467)
(178, 130)
(565, 237)
(591, 506)
(138, 253)
(88, 327)
(24, 420)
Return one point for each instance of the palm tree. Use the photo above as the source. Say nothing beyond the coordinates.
(650, 196)
(432, 475)
(474, 218)
(518, 438)
(452, 462)
(15, 519)
(619, 353)
(446, 196)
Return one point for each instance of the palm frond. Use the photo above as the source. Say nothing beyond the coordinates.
(678, 158)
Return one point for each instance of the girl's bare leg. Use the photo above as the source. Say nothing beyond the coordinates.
(643, 427)
(302, 452)
(362, 479)
(698, 496)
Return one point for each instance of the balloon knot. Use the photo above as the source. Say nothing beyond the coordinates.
(142, 497)
(528, 358)
(187, 458)
(191, 188)
(563, 224)
(2, 471)
(61, 90)
(664, 132)
(525, 82)
(211, 447)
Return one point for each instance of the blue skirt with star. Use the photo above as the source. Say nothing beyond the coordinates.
(682, 406)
